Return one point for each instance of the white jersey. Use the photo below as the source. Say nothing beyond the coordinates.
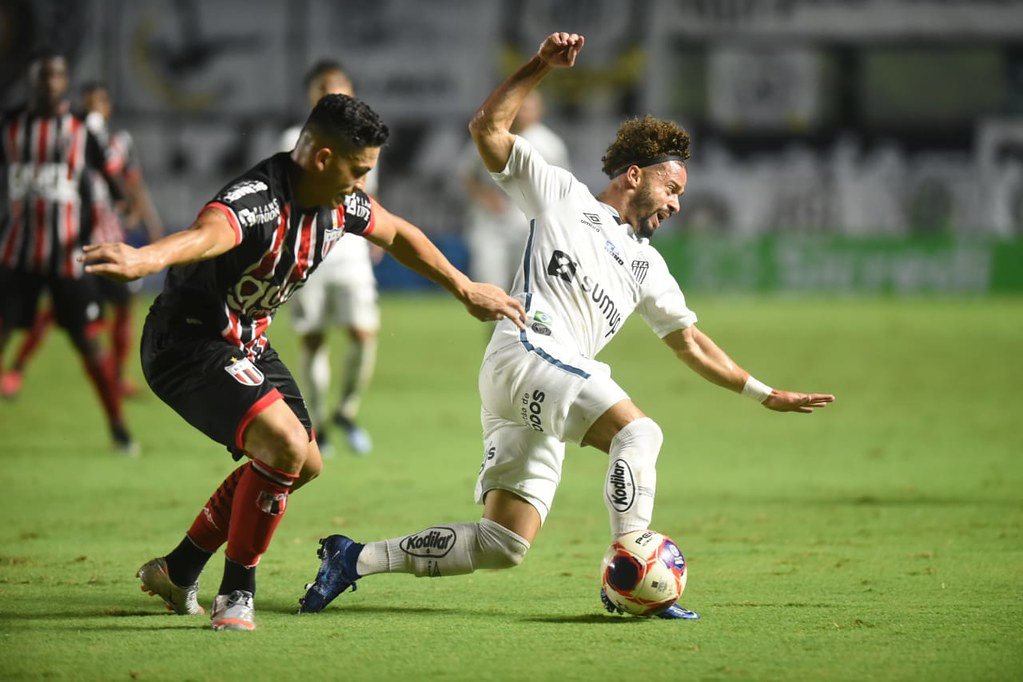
(583, 271)
(350, 260)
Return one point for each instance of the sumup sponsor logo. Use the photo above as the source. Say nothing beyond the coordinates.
(562, 265)
(621, 487)
(432, 542)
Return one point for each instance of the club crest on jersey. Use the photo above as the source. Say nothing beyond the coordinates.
(639, 269)
(244, 372)
(330, 237)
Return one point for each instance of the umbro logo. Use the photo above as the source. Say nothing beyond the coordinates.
(593, 218)
(561, 265)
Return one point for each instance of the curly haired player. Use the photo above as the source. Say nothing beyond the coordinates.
(587, 266)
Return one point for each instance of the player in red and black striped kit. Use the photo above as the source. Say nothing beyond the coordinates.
(108, 224)
(46, 152)
(205, 350)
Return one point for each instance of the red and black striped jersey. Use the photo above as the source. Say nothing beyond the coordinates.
(277, 247)
(122, 161)
(48, 215)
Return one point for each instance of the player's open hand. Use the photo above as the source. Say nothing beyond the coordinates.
(787, 401)
(560, 49)
(488, 302)
(115, 261)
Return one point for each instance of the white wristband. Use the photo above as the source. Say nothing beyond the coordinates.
(757, 390)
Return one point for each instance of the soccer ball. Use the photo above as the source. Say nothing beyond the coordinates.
(643, 572)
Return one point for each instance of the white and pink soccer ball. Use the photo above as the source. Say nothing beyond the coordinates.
(643, 572)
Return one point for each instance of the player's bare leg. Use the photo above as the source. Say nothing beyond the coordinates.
(175, 577)
(278, 445)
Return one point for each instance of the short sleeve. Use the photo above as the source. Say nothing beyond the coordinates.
(125, 146)
(662, 304)
(358, 213)
(532, 183)
(248, 203)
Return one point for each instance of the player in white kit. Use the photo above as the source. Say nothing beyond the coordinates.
(587, 266)
(343, 293)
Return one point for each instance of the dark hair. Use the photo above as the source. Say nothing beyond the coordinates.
(349, 121)
(44, 53)
(645, 139)
(321, 68)
(89, 87)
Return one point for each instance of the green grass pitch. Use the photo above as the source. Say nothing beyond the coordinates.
(879, 539)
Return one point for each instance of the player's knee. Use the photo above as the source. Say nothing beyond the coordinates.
(289, 447)
(501, 548)
(312, 466)
(643, 434)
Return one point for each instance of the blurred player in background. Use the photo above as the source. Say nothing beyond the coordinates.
(495, 228)
(204, 346)
(108, 225)
(47, 153)
(343, 293)
(587, 266)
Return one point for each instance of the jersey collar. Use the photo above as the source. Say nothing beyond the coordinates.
(618, 219)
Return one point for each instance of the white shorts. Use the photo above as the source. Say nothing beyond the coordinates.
(535, 399)
(323, 302)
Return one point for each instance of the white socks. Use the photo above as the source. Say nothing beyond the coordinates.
(454, 549)
(359, 363)
(632, 476)
(316, 367)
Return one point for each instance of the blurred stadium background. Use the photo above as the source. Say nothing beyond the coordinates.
(840, 145)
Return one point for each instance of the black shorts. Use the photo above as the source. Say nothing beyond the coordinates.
(211, 384)
(114, 292)
(77, 303)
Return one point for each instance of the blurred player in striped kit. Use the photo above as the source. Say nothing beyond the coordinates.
(48, 153)
(343, 293)
(108, 221)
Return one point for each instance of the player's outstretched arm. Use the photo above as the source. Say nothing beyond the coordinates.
(491, 126)
(699, 352)
(413, 249)
(209, 236)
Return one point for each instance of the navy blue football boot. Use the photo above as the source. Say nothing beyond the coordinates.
(673, 612)
(337, 573)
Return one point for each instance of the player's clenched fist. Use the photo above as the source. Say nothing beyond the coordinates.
(561, 49)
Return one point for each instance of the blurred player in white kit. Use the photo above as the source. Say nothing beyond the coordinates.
(495, 229)
(343, 293)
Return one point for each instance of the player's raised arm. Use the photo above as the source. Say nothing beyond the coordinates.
(209, 236)
(410, 247)
(491, 126)
(704, 357)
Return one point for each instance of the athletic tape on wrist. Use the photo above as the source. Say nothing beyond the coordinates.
(757, 390)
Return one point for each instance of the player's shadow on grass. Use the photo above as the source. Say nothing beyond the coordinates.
(360, 609)
(588, 618)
